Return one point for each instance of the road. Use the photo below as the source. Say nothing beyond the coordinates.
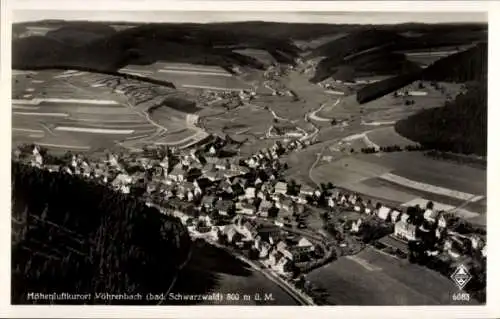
(322, 119)
(300, 297)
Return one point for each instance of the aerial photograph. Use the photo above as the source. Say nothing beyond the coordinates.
(312, 158)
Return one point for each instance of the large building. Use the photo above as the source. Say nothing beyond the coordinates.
(406, 231)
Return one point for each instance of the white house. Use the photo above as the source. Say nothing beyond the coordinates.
(417, 93)
(431, 215)
(404, 217)
(356, 226)
(405, 231)
(395, 215)
(305, 244)
(477, 242)
(177, 174)
(331, 202)
(250, 192)
(280, 188)
(383, 212)
(245, 208)
(306, 190)
(442, 222)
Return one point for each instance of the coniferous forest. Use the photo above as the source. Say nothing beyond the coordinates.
(75, 236)
(460, 126)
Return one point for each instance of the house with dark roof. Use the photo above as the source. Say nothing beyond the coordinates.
(264, 206)
(214, 175)
(249, 229)
(224, 207)
(226, 186)
(269, 233)
(178, 174)
(202, 183)
(245, 208)
(207, 202)
(262, 247)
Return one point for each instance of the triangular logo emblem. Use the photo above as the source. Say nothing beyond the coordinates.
(461, 276)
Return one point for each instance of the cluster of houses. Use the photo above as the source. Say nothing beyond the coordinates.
(276, 248)
(208, 191)
(229, 99)
(413, 224)
(211, 183)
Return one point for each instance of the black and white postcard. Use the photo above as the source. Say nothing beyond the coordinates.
(164, 157)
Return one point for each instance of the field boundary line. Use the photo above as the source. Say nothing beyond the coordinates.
(428, 187)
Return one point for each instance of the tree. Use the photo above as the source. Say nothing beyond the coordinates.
(222, 238)
(430, 205)
(100, 221)
(273, 212)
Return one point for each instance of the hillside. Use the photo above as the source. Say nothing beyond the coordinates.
(469, 65)
(80, 33)
(380, 50)
(148, 43)
(461, 67)
(381, 62)
(460, 126)
(70, 235)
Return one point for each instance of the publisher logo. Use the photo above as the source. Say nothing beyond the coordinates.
(461, 276)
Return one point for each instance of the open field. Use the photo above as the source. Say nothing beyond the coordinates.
(344, 109)
(189, 76)
(429, 56)
(387, 136)
(261, 55)
(318, 41)
(418, 167)
(348, 170)
(373, 278)
(375, 184)
(70, 113)
(393, 108)
(257, 119)
(401, 178)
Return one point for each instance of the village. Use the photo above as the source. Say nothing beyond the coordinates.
(247, 206)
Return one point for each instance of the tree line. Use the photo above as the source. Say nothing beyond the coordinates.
(74, 235)
(460, 126)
